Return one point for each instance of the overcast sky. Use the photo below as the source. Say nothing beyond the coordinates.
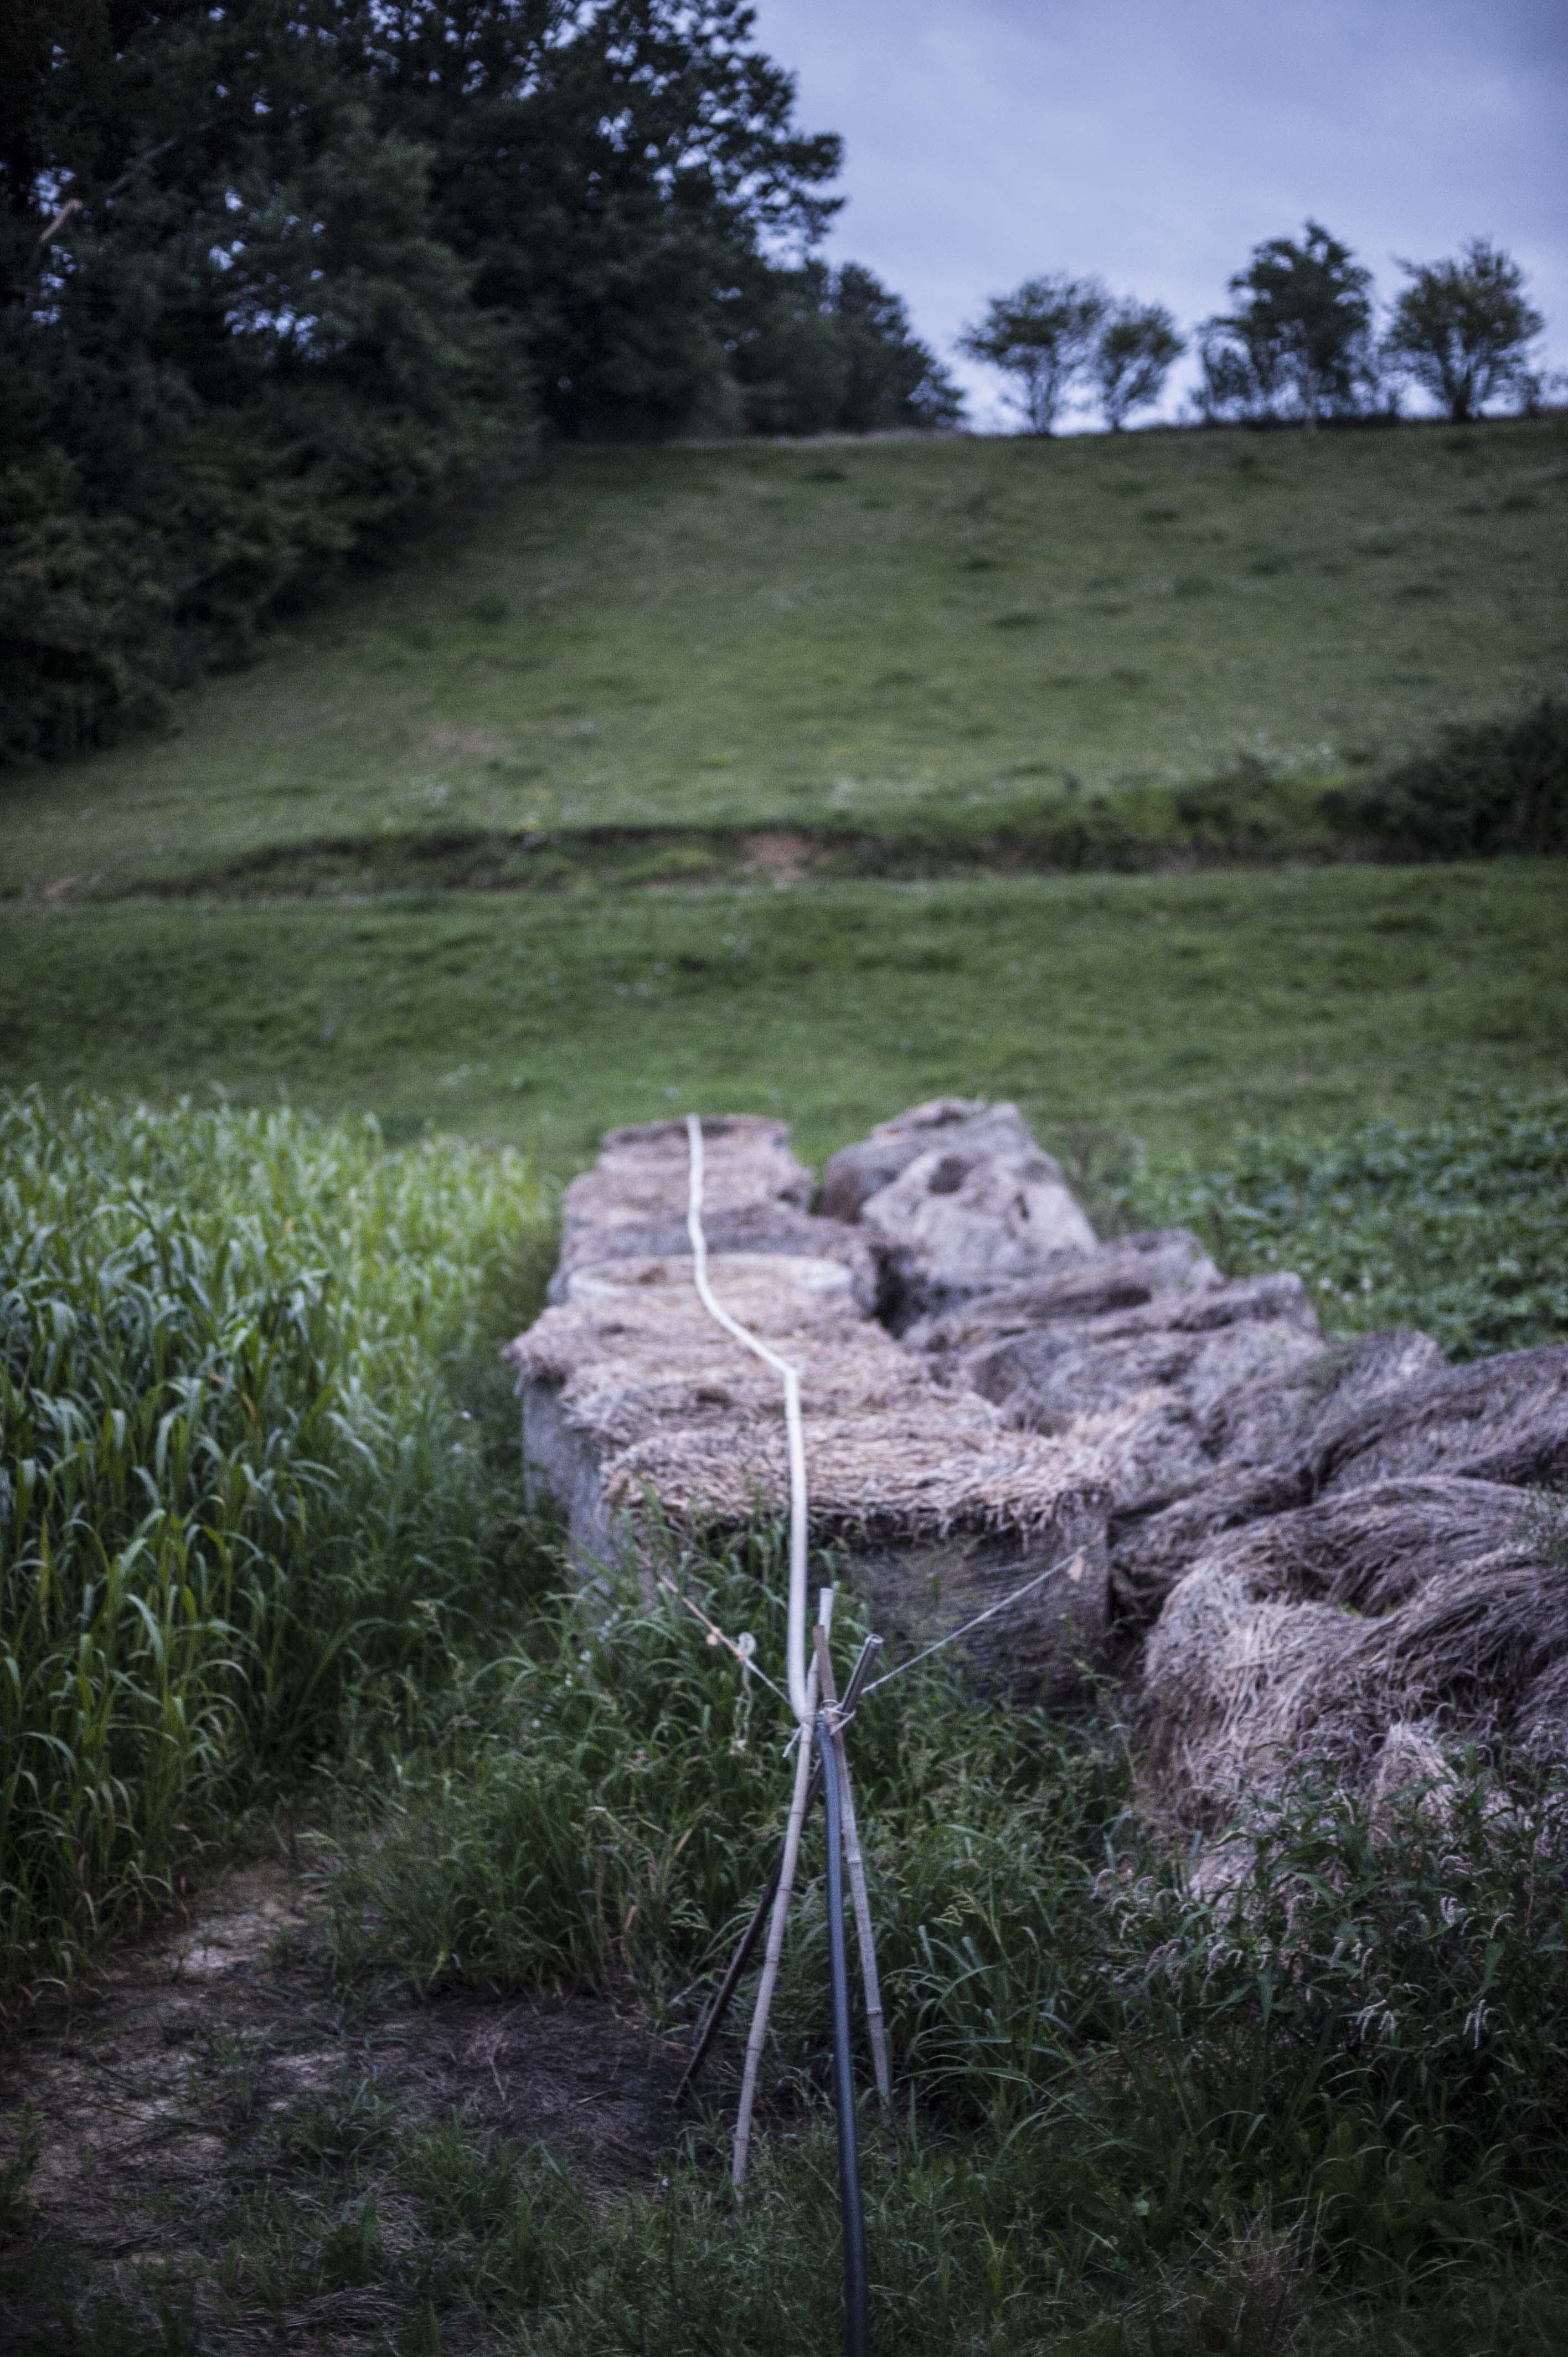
(1155, 142)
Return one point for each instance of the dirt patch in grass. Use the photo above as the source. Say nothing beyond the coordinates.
(219, 2091)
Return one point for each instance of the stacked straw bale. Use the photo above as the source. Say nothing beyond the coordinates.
(1340, 1550)
(1366, 1633)
(636, 1405)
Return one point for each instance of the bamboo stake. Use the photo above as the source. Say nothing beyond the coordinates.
(714, 2020)
(775, 1949)
(875, 2028)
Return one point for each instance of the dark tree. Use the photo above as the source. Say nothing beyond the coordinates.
(1042, 338)
(1462, 330)
(1136, 349)
(819, 350)
(1300, 334)
(274, 275)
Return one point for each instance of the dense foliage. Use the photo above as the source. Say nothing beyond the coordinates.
(272, 276)
(1461, 328)
(237, 1493)
(1300, 337)
(1454, 1225)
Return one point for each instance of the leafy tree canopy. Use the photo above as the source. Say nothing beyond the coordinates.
(1300, 334)
(1462, 328)
(273, 272)
(1041, 336)
(832, 351)
(1136, 349)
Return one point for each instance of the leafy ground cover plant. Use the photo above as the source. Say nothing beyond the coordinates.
(1455, 1224)
(239, 1500)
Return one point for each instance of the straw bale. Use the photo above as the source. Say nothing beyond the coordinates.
(1437, 1603)
(631, 1393)
(641, 1177)
(1139, 1382)
(1502, 1419)
(1264, 1444)
(1075, 1284)
(753, 1228)
(961, 1198)
(858, 1172)
(1261, 1422)
(963, 1221)
(1199, 1344)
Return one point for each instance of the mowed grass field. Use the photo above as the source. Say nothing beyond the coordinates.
(1174, 1009)
(904, 630)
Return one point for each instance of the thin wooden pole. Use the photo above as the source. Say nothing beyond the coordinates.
(875, 2028)
(714, 2020)
(775, 1949)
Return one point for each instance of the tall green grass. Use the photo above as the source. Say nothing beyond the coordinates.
(1361, 2043)
(239, 1498)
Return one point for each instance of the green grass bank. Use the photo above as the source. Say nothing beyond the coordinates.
(1177, 1010)
(883, 635)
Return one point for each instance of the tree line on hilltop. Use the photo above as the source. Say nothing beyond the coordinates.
(275, 272)
(1300, 344)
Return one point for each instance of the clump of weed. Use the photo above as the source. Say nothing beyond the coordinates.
(1235, 814)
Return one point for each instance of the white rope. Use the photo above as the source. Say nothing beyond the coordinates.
(800, 1700)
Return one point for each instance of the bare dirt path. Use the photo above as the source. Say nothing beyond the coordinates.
(217, 2067)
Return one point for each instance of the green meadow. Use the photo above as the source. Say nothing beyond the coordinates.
(271, 1586)
(893, 633)
(1175, 1010)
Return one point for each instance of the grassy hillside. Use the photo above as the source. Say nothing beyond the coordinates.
(861, 633)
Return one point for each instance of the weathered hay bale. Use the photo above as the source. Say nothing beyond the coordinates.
(1201, 1344)
(1323, 1634)
(641, 1175)
(750, 1228)
(1075, 1284)
(632, 1204)
(631, 1393)
(858, 1172)
(1138, 1383)
(1502, 1419)
(961, 1223)
(961, 1198)
(1281, 1415)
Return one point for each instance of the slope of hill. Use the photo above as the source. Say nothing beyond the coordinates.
(877, 633)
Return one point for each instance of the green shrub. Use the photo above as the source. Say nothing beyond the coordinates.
(1487, 787)
(239, 1500)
